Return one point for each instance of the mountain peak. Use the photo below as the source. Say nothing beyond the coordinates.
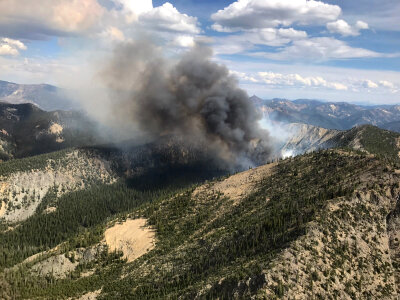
(45, 96)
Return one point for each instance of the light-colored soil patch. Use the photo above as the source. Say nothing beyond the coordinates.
(55, 129)
(54, 262)
(87, 273)
(90, 296)
(2, 209)
(3, 187)
(240, 185)
(34, 257)
(3, 131)
(60, 140)
(132, 237)
(58, 266)
(50, 210)
(87, 296)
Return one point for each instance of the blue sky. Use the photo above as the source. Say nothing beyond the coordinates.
(336, 50)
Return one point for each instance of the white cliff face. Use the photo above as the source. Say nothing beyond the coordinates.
(303, 138)
(22, 192)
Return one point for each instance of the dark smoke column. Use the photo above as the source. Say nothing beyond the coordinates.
(194, 99)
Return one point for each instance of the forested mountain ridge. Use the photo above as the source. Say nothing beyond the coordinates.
(281, 230)
(166, 220)
(294, 233)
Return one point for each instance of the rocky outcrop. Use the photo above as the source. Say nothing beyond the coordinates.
(305, 138)
(22, 192)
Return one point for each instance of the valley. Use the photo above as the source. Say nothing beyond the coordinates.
(135, 165)
(165, 219)
(330, 115)
(280, 230)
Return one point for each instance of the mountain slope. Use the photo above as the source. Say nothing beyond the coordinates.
(53, 226)
(25, 183)
(46, 97)
(26, 130)
(305, 138)
(224, 247)
(392, 126)
(318, 225)
(330, 115)
(133, 221)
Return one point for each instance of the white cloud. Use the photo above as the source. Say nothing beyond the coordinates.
(133, 8)
(11, 47)
(386, 84)
(49, 17)
(379, 14)
(250, 14)
(39, 70)
(244, 76)
(258, 21)
(369, 84)
(320, 48)
(126, 19)
(114, 34)
(75, 15)
(220, 28)
(278, 79)
(292, 33)
(238, 43)
(352, 78)
(296, 81)
(362, 25)
(185, 41)
(275, 37)
(343, 28)
(168, 18)
(164, 24)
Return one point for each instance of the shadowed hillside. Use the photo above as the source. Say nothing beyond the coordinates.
(26, 130)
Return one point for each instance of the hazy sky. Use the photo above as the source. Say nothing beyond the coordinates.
(336, 50)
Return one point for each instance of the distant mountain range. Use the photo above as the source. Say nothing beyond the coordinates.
(26, 130)
(293, 229)
(46, 97)
(330, 115)
(296, 228)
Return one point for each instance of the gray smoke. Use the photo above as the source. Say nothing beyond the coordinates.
(192, 98)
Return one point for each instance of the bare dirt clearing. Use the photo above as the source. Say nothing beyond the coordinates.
(2, 209)
(242, 184)
(88, 296)
(132, 237)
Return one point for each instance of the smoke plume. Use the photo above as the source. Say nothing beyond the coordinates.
(192, 98)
